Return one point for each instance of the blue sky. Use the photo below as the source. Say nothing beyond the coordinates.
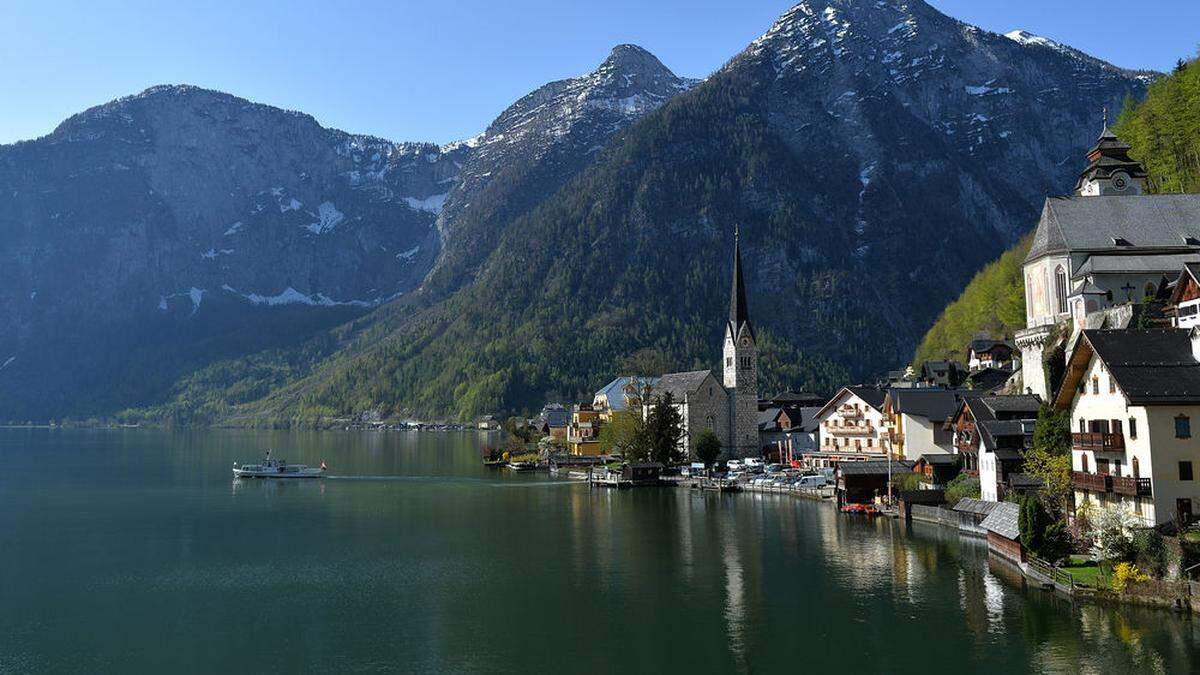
(440, 71)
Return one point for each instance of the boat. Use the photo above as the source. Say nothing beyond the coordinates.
(277, 468)
(521, 466)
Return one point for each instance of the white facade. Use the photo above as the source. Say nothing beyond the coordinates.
(850, 428)
(1150, 448)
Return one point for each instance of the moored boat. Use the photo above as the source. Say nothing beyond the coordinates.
(277, 468)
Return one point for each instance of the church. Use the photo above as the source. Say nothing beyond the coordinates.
(729, 406)
(1099, 251)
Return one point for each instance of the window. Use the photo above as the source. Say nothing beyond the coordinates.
(1132, 428)
(1183, 427)
(1060, 289)
(1082, 426)
(1185, 471)
(1137, 472)
(1150, 290)
(1116, 427)
(1083, 463)
(745, 363)
(1095, 385)
(1112, 385)
(728, 361)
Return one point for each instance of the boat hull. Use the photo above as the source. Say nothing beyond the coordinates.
(305, 473)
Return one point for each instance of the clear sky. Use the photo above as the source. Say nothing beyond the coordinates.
(441, 70)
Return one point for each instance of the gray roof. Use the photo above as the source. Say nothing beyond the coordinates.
(1150, 366)
(679, 384)
(872, 395)
(937, 405)
(976, 506)
(1003, 520)
(1091, 223)
(615, 391)
(766, 418)
(940, 458)
(874, 467)
(983, 344)
(1165, 263)
(1024, 480)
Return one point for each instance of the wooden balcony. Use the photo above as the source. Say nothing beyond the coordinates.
(1092, 482)
(852, 431)
(1134, 487)
(1098, 442)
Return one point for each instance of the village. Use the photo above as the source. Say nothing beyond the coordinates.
(1068, 445)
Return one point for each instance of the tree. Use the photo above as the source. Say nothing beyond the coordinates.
(1055, 474)
(1042, 533)
(620, 435)
(707, 447)
(663, 429)
(1052, 431)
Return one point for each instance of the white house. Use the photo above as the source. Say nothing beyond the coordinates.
(1134, 396)
(916, 421)
(851, 427)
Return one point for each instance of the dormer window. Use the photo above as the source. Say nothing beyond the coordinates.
(1191, 241)
(1121, 241)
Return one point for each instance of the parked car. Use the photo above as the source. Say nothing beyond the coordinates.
(817, 481)
(734, 465)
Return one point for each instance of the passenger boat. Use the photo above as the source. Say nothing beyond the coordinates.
(521, 466)
(277, 468)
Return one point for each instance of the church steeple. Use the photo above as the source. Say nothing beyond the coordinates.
(739, 313)
(1110, 170)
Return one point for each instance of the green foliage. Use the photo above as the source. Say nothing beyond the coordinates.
(906, 480)
(663, 429)
(706, 446)
(621, 433)
(1052, 431)
(994, 302)
(962, 486)
(1164, 131)
(1042, 533)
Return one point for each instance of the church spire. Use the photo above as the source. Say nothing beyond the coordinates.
(1110, 170)
(739, 313)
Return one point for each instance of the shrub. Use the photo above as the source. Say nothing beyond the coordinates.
(1124, 573)
(963, 485)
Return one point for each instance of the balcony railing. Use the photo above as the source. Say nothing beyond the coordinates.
(1134, 487)
(1098, 442)
(1092, 482)
(852, 431)
(850, 412)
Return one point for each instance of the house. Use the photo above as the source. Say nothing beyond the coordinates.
(851, 428)
(991, 433)
(1003, 532)
(1107, 245)
(646, 473)
(623, 393)
(944, 374)
(916, 421)
(552, 421)
(939, 468)
(583, 432)
(487, 423)
(728, 407)
(988, 380)
(1133, 396)
(1184, 305)
(789, 432)
(985, 353)
(864, 482)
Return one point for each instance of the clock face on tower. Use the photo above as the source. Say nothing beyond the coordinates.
(1120, 181)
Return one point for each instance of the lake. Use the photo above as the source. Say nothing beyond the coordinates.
(136, 551)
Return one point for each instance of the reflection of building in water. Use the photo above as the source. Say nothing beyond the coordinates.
(735, 598)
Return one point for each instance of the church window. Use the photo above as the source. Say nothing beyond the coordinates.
(1150, 290)
(728, 361)
(1060, 289)
(745, 363)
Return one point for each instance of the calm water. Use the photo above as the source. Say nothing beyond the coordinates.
(135, 551)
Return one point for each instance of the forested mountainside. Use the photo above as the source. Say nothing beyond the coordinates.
(875, 154)
(1164, 130)
(993, 303)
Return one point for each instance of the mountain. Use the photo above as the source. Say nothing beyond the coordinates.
(876, 153)
(536, 145)
(147, 236)
(154, 235)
